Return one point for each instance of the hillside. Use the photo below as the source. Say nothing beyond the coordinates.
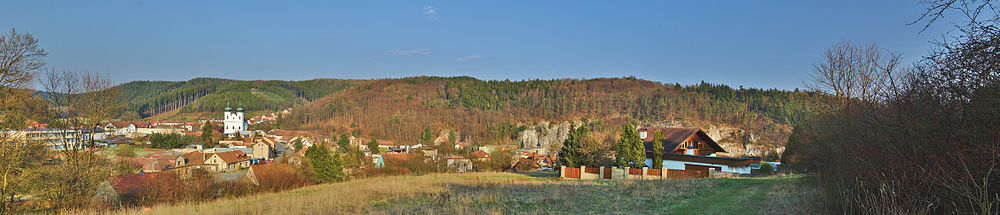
(511, 193)
(485, 112)
(497, 111)
(208, 96)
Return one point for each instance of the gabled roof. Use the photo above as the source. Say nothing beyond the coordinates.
(673, 137)
(233, 156)
(481, 154)
(195, 158)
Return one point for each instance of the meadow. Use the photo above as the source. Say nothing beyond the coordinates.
(521, 193)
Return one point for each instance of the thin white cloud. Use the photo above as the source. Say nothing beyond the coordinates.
(468, 58)
(408, 52)
(430, 12)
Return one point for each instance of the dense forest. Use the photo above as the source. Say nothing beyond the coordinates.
(494, 111)
(210, 95)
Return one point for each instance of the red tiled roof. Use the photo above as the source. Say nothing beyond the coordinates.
(481, 154)
(233, 156)
(195, 158)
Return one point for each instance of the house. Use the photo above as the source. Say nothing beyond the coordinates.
(459, 145)
(125, 128)
(458, 164)
(262, 151)
(362, 144)
(154, 164)
(215, 162)
(441, 140)
(482, 155)
(692, 149)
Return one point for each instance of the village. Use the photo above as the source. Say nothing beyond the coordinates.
(228, 151)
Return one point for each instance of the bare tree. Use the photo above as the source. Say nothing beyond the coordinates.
(854, 71)
(977, 12)
(80, 103)
(20, 57)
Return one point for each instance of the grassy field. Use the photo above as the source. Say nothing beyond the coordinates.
(512, 193)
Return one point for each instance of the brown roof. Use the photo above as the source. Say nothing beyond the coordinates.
(154, 164)
(233, 156)
(195, 158)
(673, 137)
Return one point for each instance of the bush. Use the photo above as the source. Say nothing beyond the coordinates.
(766, 169)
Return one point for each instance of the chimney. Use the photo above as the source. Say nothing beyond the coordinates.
(642, 133)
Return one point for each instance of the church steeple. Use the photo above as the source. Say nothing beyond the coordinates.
(228, 108)
(240, 109)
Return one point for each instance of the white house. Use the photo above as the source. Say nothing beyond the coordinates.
(692, 149)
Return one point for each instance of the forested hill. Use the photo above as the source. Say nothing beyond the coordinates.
(210, 95)
(400, 109)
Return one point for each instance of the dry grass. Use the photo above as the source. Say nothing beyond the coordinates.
(509, 193)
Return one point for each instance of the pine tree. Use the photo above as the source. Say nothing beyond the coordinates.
(206, 133)
(658, 150)
(629, 149)
(427, 136)
(343, 142)
(326, 166)
(569, 155)
(373, 146)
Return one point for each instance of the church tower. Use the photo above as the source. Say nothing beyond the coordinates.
(233, 123)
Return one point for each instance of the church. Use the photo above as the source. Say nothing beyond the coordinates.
(234, 123)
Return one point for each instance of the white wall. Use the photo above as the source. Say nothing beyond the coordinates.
(679, 165)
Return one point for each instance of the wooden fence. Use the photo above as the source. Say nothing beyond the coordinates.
(571, 173)
(595, 173)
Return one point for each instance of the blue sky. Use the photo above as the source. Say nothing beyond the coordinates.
(764, 44)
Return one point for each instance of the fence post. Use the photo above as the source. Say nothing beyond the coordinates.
(600, 175)
(626, 174)
(562, 171)
(583, 171)
(663, 173)
(644, 170)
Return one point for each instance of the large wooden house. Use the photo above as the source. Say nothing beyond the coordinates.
(692, 149)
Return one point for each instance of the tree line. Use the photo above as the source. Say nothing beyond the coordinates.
(915, 140)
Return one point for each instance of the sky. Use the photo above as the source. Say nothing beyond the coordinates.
(761, 44)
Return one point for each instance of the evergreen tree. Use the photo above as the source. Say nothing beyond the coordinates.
(373, 146)
(206, 133)
(327, 167)
(343, 141)
(629, 149)
(427, 136)
(298, 144)
(658, 150)
(569, 155)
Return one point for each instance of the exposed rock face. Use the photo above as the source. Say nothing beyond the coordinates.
(545, 135)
